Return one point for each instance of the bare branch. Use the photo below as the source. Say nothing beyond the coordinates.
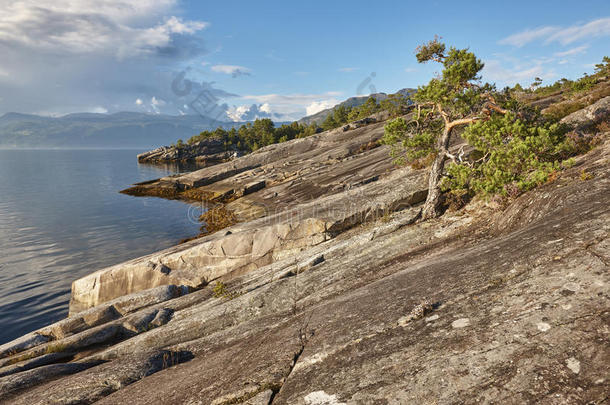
(493, 107)
(463, 121)
(443, 114)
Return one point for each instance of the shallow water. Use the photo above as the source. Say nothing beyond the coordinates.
(61, 217)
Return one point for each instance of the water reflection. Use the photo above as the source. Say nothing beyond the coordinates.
(173, 167)
(61, 217)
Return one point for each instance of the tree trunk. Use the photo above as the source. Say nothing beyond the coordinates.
(432, 205)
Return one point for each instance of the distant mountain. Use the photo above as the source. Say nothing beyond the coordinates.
(319, 117)
(82, 130)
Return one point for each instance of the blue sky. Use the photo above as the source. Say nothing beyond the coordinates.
(273, 58)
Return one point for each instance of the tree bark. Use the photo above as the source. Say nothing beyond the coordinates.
(432, 205)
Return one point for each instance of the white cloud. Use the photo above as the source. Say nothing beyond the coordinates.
(563, 35)
(318, 106)
(176, 26)
(527, 36)
(265, 108)
(348, 69)
(106, 52)
(157, 102)
(410, 70)
(494, 71)
(294, 99)
(288, 107)
(98, 110)
(250, 112)
(233, 70)
(570, 52)
(118, 27)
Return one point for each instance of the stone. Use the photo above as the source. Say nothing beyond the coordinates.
(85, 320)
(573, 365)
(129, 302)
(100, 380)
(208, 151)
(432, 318)
(16, 382)
(35, 362)
(543, 326)
(261, 398)
(460, 323)
(591, 115)
(321, 398)
(23, 343)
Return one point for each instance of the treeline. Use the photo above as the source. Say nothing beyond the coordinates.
(262, 132)
(595, 86)
(586, 82)
(252, 136)
(394, 104)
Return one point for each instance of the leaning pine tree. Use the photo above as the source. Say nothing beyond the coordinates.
(512, 151)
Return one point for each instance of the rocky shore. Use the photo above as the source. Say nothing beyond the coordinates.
(328, 290)
(207, 152)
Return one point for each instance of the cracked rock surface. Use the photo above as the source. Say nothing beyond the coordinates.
(480, 305)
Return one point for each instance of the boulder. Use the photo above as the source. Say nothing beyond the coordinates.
(208, 151)
(594, 114)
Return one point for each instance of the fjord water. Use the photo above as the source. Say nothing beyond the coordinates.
(61, 217)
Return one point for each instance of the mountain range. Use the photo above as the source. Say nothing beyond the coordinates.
(92, 130)
(123, 129)
(356, 101)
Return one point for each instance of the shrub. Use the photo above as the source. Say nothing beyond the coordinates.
(216, 219)
(584, 83)
(221, 291)
(560, 110)
(406, 144)
(516, 156)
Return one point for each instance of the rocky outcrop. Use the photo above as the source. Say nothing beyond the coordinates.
(329, 291)
(287, 196)
(296, 171)
(246, 246)
(594, 114)
(207, 152)
(476, 306)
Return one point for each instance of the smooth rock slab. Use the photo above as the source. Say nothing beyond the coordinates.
(591, 115)
(16, 382)
(23, 343)
(460, 323)
(29, 364)
(98, 382)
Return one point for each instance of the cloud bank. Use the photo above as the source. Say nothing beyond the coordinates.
(62, 56)
(563, 35)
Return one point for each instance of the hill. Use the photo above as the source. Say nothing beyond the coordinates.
(82, 130)
(357, 101)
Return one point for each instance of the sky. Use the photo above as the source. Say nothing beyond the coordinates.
(240, 60)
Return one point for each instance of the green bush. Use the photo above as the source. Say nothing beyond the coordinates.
(407, 145)
(252, 136)
(511, 156)
(584, 83)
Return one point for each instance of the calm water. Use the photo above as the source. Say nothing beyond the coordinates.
(61, 217)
